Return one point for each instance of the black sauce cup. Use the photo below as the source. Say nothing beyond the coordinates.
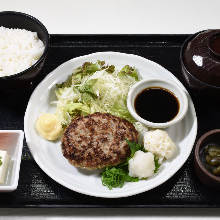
(23, 80)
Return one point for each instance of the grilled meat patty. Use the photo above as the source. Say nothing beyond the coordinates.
(97, 140)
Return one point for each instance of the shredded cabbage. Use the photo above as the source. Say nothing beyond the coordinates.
(95, 87)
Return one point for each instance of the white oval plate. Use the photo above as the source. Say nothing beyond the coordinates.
(49, 157)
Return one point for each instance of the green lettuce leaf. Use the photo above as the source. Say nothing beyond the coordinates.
(88, 88)
(75, 109)
(67, 83)
(121, 111)
(130, 71)
(97, 86)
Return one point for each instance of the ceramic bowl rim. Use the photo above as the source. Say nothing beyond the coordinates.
(176, 119)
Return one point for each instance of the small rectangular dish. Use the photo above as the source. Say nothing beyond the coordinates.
(11, 141)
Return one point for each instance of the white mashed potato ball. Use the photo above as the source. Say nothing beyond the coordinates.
(141, 165)
(159, 143)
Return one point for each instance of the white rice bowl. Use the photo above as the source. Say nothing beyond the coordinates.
(19, 50)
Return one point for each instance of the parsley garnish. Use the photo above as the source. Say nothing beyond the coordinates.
(116, 177)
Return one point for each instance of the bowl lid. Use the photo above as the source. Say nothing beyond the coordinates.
(201, 56)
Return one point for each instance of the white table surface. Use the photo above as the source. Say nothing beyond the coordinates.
(118, 17)
(121, 16)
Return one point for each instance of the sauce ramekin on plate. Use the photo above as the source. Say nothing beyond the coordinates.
(170, 87)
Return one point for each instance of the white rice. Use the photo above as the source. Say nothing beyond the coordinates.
(19, 49)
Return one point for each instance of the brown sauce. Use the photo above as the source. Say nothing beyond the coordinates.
(156, 105)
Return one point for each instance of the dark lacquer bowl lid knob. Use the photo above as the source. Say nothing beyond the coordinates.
(201, 57)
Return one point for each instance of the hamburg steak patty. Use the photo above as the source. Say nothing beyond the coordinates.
(97, 140)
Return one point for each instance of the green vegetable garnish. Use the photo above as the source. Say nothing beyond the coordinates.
(157, 165)
(88, 88)
(76, 77)
(116, 177)
(99, 88)
(85, 70)
(88, 68)
(135, 147)
(75, 109)
(129, 71)
(101, 63)
(0, 160)
(113, 177)
(110, 69)
(67, 83)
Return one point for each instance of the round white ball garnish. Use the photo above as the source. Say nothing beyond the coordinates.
(141, 165)
(159, 143)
